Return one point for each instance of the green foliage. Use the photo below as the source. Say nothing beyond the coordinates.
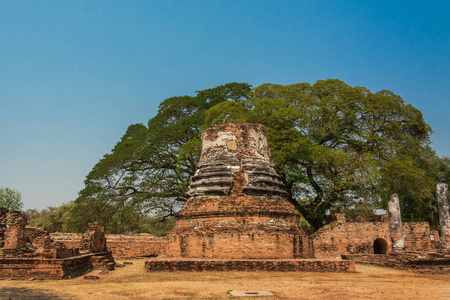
(225, 112)
(336, 148)
(63, 219)
(305, 225)
(155, 225)
(53, 219)
(422, 206)
(358, 209)
(335, 145)
(149, 169)
(10, 199)
(440, 167)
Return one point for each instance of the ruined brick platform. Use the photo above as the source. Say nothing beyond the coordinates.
(347, 235)
(47, 268)
(29, 252)
(278, 265)
(437, 262)
(120, 245)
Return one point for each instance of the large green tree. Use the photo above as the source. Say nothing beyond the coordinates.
(10, 199)
(336, 147)
(148, 170)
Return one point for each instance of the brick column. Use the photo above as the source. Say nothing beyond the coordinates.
(395, 223)
(15, 239)
(444, 212)
(95, 236)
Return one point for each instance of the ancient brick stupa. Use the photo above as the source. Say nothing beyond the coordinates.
(237, 216)
(237, 206)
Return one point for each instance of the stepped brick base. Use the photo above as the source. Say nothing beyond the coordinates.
(48, 268)
(423, 262)
(280, 265)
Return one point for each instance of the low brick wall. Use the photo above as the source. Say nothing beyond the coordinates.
(42, 268)
(70, 240)
(279, 265)
(392, 261)
(417, 236)
(356, 235)
(424, 262)
(135, 245)
(121, 245)
(347, 235)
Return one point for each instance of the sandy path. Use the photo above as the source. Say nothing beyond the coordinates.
(131, 282)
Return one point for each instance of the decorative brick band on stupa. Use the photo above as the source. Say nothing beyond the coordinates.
(237, 207)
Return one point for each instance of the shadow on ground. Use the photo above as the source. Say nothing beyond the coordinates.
(24, 293)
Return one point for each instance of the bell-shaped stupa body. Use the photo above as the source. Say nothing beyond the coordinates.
(235, 160)
(237, 206)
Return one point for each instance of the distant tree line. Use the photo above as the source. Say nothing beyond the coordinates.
(337, 148)
(61, 219)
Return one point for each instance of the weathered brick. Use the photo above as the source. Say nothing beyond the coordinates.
(29, 252)
(120, 245)
(280, 265)
(238, 208)
(357, 235)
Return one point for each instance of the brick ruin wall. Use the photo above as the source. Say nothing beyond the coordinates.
(136, 245)
(121, 245)
(351, 235)
(69, 240)
(417, 236)
(30, 252)
(357, 235)
(343, 237)
(416, 261)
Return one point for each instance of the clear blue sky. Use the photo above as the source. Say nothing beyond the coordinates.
(75, 74)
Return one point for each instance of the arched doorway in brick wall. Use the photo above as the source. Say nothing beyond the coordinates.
(380, 246)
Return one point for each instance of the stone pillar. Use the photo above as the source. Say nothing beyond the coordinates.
(395, 223)
(444, 213)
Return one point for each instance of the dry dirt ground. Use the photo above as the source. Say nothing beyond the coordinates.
(132, 282)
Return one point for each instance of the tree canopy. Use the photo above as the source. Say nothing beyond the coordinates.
(10, 199)
(335, 146)
(149, 169)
